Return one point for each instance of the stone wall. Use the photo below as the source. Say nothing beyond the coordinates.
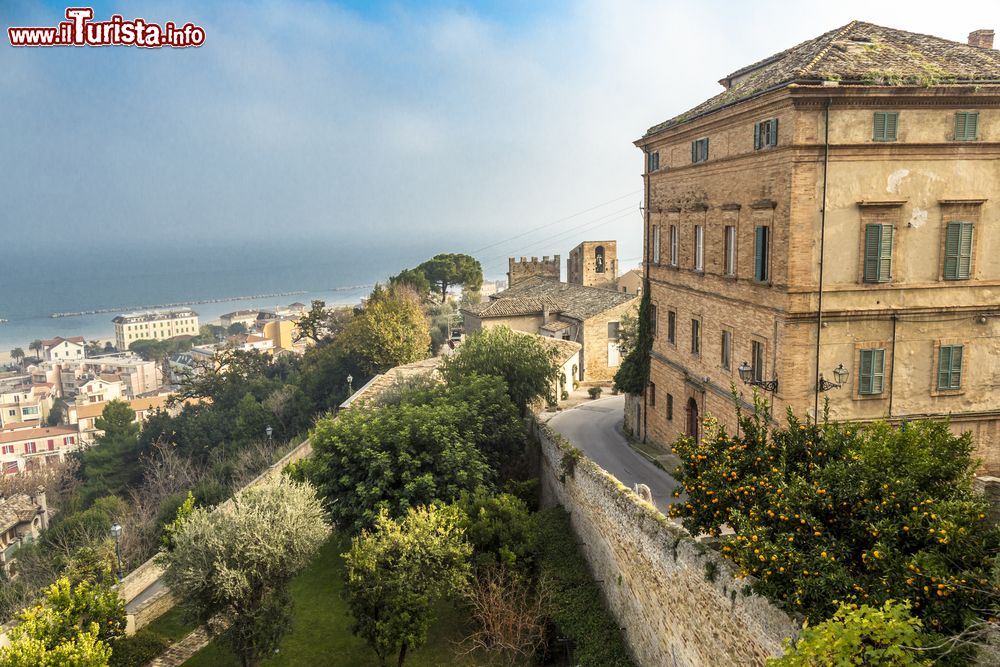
(520, 270)
(677, 601)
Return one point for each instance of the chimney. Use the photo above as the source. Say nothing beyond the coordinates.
(981, 38)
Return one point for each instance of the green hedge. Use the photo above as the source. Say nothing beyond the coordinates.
(576, 605)
(138, 650)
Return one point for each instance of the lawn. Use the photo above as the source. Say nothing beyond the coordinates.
(321, 629)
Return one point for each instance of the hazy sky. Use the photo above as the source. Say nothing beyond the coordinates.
(468, 123)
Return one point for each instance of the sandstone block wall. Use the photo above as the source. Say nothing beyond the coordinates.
(678, 602)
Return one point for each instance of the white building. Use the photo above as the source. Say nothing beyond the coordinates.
(29, 448)
(63, 349)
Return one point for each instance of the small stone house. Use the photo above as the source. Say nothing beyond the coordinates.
(590, 316)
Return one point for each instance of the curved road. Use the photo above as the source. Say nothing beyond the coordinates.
(595, 427)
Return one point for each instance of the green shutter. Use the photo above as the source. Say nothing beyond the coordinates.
(885, 255)
(694, 151)
(879, 131)
(873, 243)
(865, 373)
(760, 254)
(966, 125)
(958, 251)
(871, 377)
(756, 136)
(884, 126)
(774, 132)
(950, 367)
(891, 122)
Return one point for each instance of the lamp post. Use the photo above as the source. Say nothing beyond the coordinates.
(116, 532)
(840, 374)
(269, 431)
(747, 375)
(350, 380)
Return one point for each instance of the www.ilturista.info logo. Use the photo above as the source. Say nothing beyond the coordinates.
(80, 30)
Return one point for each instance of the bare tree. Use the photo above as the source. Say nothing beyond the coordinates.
(509, 613)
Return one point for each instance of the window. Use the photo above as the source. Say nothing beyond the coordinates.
(729, 248)
(50, 445)
(695, 336)
(656, 244)
(699, 150)
(671, 327)
(10, 467)
(673, 245)
(871, 375)
(71, 440)
(7, 449)
(966, 125)
(653, 161)
(765, 134)
(727, 349)
(884, 126)
(670, 407)
(958, 251)
(613, 329)
(652, 320)
(652, 394)
(761, 253)
(757, 356)
(878, 253)
(950, 367)
(699, 248)
(30, 448)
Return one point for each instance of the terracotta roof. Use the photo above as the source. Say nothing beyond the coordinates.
(138, 405)
(565, 349)
(8, 435)
(52, 342)
(858, 53)
(555, 325)
(16, 509)
(574, 301)
(508, 306)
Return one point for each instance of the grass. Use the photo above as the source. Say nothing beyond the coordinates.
(171, 625)
(321, 627)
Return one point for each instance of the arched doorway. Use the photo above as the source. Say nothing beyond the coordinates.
(692, 418)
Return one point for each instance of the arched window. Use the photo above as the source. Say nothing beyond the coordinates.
(599, 259)
(692, 418)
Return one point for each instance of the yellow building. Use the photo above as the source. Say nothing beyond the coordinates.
(154, 325)
(835, 208)
(280, 332)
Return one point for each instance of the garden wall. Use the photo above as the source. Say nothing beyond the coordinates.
(677, 601)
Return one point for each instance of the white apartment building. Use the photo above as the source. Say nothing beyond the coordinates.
(28, 448)
(64, 349)
(138, 375)
(154, 325)
(25, 405)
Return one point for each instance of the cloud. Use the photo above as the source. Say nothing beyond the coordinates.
(446, 126)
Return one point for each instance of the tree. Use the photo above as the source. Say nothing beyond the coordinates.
(393, 458)
(888, 635)
(632, 376)
(322, 324)
(236, 329)
(446, 270)
(55, 417)
(390, 331)
(17, 354)
(523, 361)
(415, 279)
(398, 572)
(237, 562)
(838, 510)
(72, 625)
(112, 463)
(37, 346)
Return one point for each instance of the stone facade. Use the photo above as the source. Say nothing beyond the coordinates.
(594, 264)
(914, 185)
(678, 602)
(520, 270)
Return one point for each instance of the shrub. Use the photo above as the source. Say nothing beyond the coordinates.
(138, 650)
(501, 529)
(595, 392)
(834, 511)
(575, 602)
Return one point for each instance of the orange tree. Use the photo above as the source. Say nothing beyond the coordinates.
(845, 511)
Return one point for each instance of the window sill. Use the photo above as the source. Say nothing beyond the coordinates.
(869, 397)
(947, 392)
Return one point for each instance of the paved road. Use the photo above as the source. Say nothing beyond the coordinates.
(595, 428)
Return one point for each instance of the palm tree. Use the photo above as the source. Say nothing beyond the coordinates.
(17, 354)
(36, 347)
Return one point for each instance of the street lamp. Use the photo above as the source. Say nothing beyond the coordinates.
(350, 380)
(839, 374)
(747, 375)
(116, 532)
(269, 431)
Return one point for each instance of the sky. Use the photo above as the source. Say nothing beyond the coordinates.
(497, 128)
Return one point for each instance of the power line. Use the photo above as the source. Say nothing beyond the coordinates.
(555, 222)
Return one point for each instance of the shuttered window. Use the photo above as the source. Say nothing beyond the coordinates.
(878, 253)
(673, 245)
(757, 356)
(727, 348)
(696, 337)
(966, 125)
(958, 251)
(761, 253)
(729, 260)
(671, 327)
(670, 407)
(871, 375)
(656, 244)
(652, 394)
(699, 248)
(885, 124)
(765, 134)
(699, 150)
(950, 367)
(653, 161)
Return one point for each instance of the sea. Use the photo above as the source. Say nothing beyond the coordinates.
(38, 281)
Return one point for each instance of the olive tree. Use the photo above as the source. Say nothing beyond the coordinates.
(236, 562)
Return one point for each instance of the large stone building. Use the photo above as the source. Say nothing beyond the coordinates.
(154, 325)
(543, 305)
(594, 264)
(836, 205)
